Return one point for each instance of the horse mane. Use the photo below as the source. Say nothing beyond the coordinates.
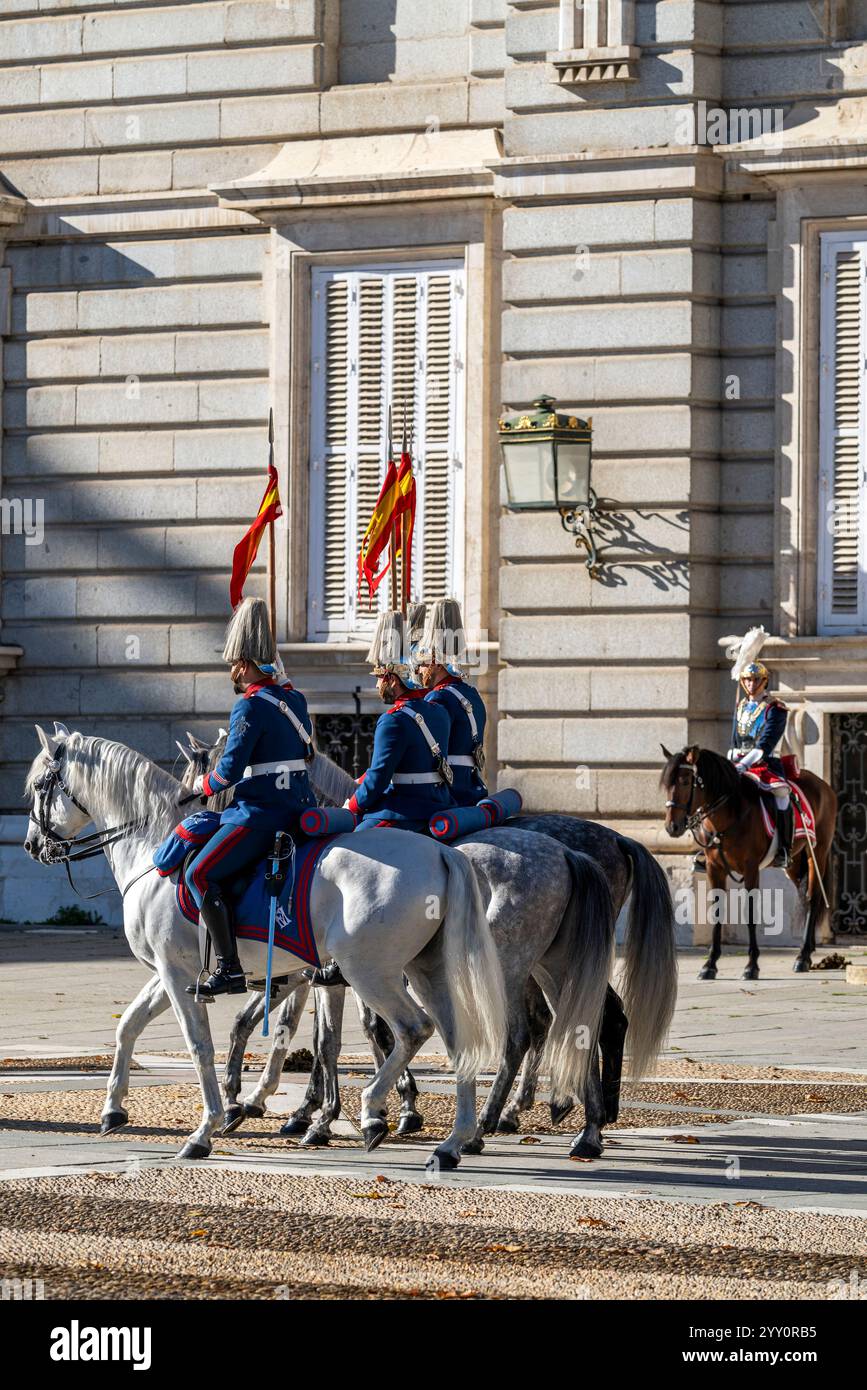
(116, 782)
(719, 775)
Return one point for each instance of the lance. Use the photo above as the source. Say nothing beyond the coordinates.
(393, 540)
(404, 531)
(272, 549)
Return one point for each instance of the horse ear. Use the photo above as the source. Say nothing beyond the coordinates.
(60, 730)
(184, 751)
(49, 744)
(665, 752)
(223, 733)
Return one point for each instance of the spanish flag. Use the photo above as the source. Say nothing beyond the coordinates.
(406, 499)
(378, 532)
(246, 549)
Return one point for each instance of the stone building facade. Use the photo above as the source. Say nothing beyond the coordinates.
(653, 210)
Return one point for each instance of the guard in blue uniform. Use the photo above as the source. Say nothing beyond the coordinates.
(409, 777)
(439, 661)
(759, 725)
(265, 760)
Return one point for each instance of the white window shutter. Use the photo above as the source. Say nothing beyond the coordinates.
(843, 458)
(384, 336)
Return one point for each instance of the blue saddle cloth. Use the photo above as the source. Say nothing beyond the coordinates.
(250, 898)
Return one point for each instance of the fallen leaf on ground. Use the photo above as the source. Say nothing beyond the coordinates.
(502, 1249)
(681, 1139)
(529, 1139)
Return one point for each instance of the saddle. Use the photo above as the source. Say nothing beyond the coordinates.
(766, 779)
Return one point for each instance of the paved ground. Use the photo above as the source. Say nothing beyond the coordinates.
(742, 1174)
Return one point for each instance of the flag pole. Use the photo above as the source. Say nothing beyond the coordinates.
(272, 548)
(393, 537)
(404, 535)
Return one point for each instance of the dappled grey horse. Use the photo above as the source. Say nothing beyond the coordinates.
(385, 909)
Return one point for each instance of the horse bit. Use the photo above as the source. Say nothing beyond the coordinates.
(57, 849)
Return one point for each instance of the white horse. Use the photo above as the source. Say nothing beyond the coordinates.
(385, 905)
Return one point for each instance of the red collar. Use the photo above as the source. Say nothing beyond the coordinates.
(260, 685)
(449, 680)
(405, 699)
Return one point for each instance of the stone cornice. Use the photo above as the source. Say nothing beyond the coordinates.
(361, 171)
(817, 142)
(12, 206)
(647, 172)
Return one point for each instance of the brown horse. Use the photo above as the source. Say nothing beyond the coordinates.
(721, 808)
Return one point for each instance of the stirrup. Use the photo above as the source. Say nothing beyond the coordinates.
(225, 980)
(325, 976)
(699, 862)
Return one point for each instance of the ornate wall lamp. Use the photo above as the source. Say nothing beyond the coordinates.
(546, 464)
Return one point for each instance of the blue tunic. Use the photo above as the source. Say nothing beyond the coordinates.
(468, 787)
(259, 733)
(400, 749)
(761, 724)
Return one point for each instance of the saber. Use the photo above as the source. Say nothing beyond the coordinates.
(273, 884)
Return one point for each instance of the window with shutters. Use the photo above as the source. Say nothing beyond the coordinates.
(384, 337)
(843, 457)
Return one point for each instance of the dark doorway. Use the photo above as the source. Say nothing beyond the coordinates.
(849, 855)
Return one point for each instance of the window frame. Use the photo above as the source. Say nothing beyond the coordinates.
(348, 629)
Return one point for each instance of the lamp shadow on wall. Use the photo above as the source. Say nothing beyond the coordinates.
(619, 531)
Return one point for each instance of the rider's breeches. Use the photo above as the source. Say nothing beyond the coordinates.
(781, 796)
(226, 855)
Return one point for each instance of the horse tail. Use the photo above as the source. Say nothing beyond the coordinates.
(649, 981)
(585, 941)
(473, 975)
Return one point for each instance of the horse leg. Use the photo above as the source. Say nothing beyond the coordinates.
(517, 1042)
(328, 1039)
(588, 1144)
(193, 1019)
(815, 904)
(752, 970)
(379, 1036)
(298, 1122)
(150, 1001)
(242, 1026)
(411, 1028)
(612, 1037)
(284, 1031)
(716, 880)
(539, 1021)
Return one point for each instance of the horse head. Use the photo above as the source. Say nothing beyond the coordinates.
(56, 815)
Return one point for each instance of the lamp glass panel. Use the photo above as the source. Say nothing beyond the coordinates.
(530, 473)
(573, 474)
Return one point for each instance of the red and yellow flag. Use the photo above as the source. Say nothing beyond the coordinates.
(406, 499)
(378, 532)
(247, 549)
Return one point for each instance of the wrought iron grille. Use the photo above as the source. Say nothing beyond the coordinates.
(849, 754)
(346, 738)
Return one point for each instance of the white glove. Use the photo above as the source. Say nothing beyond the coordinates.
(733, 755)
(199, 785)
(346, 804)
(755, 755)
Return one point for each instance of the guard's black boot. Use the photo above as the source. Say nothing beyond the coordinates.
(326, 975)
(785, 832)
(228, 978)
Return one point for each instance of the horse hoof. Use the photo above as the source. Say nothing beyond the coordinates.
(801, 967)
(560, 1110)
(585, 1148)
(316, 1139)
(293, 1126)
(373, 1133)
(191, 1150)
(442, 1162)
(473, 1146)
(751, 972)
(235, 1116)
(708, 972)
(112, 1120)
(253, 1112)
(507, 1126)
(410, 1124)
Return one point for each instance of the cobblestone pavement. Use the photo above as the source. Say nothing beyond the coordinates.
(739, 1172)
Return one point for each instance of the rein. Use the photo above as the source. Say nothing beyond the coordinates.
(694, 821)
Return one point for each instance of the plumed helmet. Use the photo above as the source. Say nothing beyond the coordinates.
(444, 639)
(390, 650)
(755, 668)
(248, 636)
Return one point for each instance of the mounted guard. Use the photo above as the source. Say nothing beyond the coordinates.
(266, 756)
(440, 661)
(759, 725)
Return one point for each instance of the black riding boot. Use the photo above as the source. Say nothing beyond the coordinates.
(326, 975)
(785, 834)
(228, 978)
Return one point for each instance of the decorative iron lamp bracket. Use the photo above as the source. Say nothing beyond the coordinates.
(578, 521)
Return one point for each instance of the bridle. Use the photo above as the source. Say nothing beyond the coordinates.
(57, 849)
(693, 822)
